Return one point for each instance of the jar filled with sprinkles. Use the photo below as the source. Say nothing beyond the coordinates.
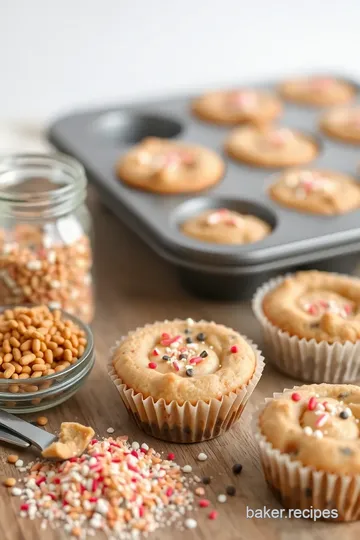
(45, 230)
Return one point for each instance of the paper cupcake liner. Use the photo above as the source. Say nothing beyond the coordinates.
(307, 360)
(186, 423)
(301, 487)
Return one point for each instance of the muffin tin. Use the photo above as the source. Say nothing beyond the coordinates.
(98, 139)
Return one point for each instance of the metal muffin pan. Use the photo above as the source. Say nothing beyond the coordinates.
(98, 138)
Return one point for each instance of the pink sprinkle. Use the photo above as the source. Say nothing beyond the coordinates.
(94, 485)
(234, 349)
(204, 503)
(141, 511)
(152, 365)
(168, 341)
(134, 453)
(169, 491)
(56, 480)
(40, 480)
(213, 514)
(347, 309)
(24, 507)
(176, 366)
(313, 309)
(295, 396)
(312, 403)
(155, 352)
(94, 441)
(171, 456)
(164, 335)
(53, 496)
(93, 499)
(196, 360)
(322, 420)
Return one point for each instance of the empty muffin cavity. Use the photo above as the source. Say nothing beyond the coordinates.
(223, 221)
(130, 127)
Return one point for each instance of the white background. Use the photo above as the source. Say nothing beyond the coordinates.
(58, 55)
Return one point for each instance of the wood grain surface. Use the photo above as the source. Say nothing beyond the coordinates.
(135, 287)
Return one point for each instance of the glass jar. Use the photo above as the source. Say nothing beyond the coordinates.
(45, 234)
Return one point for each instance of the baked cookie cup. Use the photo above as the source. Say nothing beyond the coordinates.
(185, 381)
(310, 449)
(311, 325)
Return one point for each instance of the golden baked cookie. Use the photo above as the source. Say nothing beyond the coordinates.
(342, 123)
(165, 166)
(223, 226)
(271, 146)
(316, 191)
(184, 361)
(73, 440)
(317, 425)
(231, 107)
(310, 449)
(316, 305)
(317, 91)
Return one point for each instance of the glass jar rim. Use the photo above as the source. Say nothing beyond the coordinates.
(16, 167)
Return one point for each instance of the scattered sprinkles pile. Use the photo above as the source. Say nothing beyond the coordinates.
(41, 266)
(121, 489)
(306, 182)
(35, 342)
(320, 307)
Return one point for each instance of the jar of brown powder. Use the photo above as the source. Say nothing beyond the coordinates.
(45, 234)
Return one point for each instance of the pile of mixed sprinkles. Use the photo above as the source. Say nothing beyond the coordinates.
(121, 489)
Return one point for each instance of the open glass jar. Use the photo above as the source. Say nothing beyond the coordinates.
(45, 234)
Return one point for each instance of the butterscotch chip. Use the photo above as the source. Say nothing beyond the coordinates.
(42, 420)
(342, 123)
(317, 91)
(10, 482)
(12, 458)
(73, 440)
(222, 226)
(316, 191)
(316, 305)
(165, 166)
(271, 147)
(231, 107)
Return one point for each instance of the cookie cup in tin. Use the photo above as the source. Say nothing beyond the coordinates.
(188, 422)
(303, 359)
(336, 497)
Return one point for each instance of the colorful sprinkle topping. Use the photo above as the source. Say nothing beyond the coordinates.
(234, 349)
(152, 365)
(312, 403)
(320, 307)
(295, 396)
(306, 182)
(225, 216)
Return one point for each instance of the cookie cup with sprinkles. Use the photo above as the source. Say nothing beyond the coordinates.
(185, 381)
(311, 325)
(310, 449)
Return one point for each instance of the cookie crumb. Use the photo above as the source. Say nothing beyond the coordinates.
(110, 430)
(42, 421)
(12, 458)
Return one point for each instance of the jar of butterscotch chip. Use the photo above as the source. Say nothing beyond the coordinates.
(45, 234)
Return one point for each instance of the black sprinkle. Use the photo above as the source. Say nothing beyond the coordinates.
(206, 480)
(190, 372)
(189, 340)
(308, 492)
(187, 331)
(231, 490)
(237, 468)
(201, 337)
(343, 395)
(346, 451)
(182, 356)
(344, 415)
(166, 357)
(204, 354)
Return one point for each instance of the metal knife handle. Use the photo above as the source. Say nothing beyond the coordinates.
(34, 435)
(8, 437)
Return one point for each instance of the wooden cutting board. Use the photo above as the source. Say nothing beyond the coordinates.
(135, 287)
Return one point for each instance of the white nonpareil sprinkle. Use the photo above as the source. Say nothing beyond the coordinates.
(318, 434)
(187, 469)
(308, 430)
(55, 284)
(348, 411)
(51, 257)
(110, 430)
(19, 463)
(144, 446)
(221, 498)
(16, 491)
(54, 305)
(189, 321)
(135, 445)
(202, 456)
(34, 265)
(190, 523)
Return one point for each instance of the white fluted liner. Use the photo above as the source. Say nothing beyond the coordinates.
(187, 423)
(307, 360)
(302, 487)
